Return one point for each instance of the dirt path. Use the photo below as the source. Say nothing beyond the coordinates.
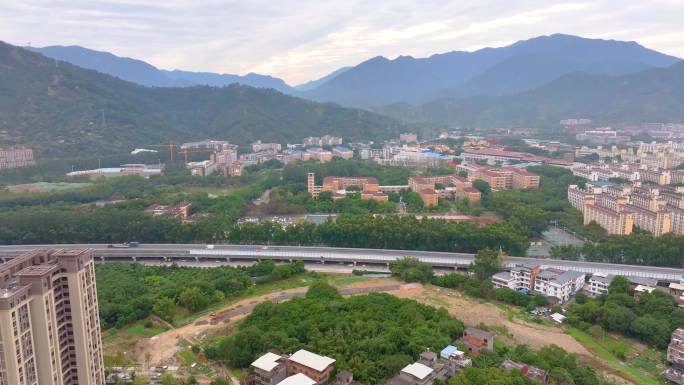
(162, 348)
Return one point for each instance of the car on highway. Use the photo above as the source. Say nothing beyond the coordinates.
(123, 245)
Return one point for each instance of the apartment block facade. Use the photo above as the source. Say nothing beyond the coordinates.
(16, 157)
(49, 321)
(619, 208)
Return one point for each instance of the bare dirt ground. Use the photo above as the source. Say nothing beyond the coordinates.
(473, 313)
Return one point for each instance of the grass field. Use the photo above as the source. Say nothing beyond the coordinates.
(634, 370)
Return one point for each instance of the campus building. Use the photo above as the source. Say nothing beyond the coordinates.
(426, 187)
(338, 185)
(505, 178)
(16, 157)
(49, 321)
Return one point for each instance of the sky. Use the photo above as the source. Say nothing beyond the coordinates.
(300, 40)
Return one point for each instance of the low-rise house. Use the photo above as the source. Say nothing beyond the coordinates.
(598, 283)
(677, 291)
(641, 289)
(302, 368)
(553, 283)
(423, 372)
(532, 372)
(457, 357)
(269, 369)
(504, 280)
(344, 378)
(559, 284)
(675, 357)
(180, 209)
(477, 340)
(634, 282)
(317, 367)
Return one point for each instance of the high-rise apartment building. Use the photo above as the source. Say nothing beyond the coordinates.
(49, 322)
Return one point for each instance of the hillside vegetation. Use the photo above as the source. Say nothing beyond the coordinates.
(63, 110)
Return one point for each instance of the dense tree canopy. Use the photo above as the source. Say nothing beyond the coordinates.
(634, 249)
(372, 336)
(130, 291)
(411, 270)
(651, 318)
(391, 232)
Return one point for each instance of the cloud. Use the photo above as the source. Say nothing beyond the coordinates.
(304, 39)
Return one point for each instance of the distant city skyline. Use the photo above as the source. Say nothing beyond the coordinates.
(309, 39)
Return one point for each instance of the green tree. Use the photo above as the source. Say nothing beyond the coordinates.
(487, 262)
(618, 284)
(323, 290)
(411, 270)
(193, 299)
(164, 307)
(618, 318)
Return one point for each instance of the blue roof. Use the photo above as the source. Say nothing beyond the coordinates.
(433, 154)
(341, 148)
(448, 351)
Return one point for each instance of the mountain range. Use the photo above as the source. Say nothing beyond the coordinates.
(140, 72)
(489, 71)
(379, 81)
(653, 95)
(64, 110)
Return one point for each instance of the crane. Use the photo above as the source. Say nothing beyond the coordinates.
(171, 150)
(169, 146)
(186, 153)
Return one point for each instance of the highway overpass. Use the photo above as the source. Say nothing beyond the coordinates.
(361, 258)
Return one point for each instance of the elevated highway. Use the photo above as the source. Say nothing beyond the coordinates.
(332, 255)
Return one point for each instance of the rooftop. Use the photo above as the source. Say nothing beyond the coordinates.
(267, 362)
(417, 370)
(311, 360)
(37, 270)
(297, 379)
(607, 279)
(502, 276)
(450, 351)
(479, 334)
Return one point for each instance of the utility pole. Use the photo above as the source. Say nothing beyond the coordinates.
(104, 122)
